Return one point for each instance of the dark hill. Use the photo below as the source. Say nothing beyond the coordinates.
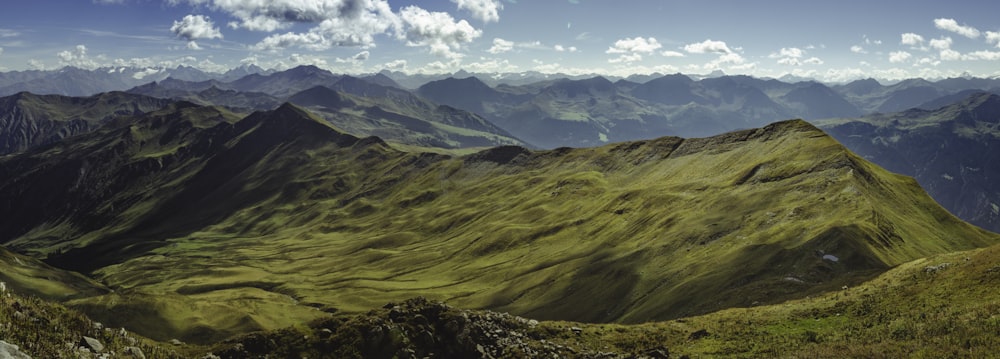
(28, 120)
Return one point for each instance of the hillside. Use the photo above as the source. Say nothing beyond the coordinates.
(951, 151)
(28, 120)
(207, 225)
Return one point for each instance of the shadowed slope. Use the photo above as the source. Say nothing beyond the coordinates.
(28, 120)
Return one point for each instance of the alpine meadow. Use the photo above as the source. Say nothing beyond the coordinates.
(499, 179)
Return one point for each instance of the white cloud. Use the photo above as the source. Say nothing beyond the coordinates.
(982, 55)
(34, 64)
(950, 55)
(858, 50)
(193, 45)
(637, 44)
(1, 51)
(791, 61)
(953, 26)
(911, 39)
(395, 65)
(813, 61)
(993, 37)
(670, 53)
(943, 43)
(194, 27)
(500, 46)
(561, 48)
(626, 58)
(927, 61)
(335, 22)
(77, 58)
(490, 66)
(790, 56)
(708, 46)
(485, 10)
(899, 56)
(9, 33)
(787, 52)
(146, 73)
(631, 49)
(734, 60)
(437, 30)
(355, 60)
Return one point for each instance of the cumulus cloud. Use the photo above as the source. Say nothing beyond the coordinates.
(943, 43)
(791, 61)
(708, 46)
(732, 59)
(858, 49)
(355, 60)
(194, 27)
(993, 37)
(335, 22)
(791, 56)
(950, 55)
(500, 46)
(437, 30)
(953, 26)
(395, 65)
(191, 45)
(77, 57)
(787, 52)
(626, 58)
(813, 61)
(637, 44)
(982, 55)
(485, 10)
(899, 56)
(911, 39)
(631, 49)
(669, 53)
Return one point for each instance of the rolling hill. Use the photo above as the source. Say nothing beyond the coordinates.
(207, 225)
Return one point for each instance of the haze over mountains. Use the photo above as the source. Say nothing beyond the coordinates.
(205, 209)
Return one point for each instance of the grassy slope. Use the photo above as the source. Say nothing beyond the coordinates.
(630, 232)
(941, 306)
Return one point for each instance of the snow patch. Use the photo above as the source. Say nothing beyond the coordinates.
(603, 137)
(830, 257)
(996, 209)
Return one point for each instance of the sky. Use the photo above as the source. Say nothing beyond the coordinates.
(833, 41)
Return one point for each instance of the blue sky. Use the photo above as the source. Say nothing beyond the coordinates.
(831, 41)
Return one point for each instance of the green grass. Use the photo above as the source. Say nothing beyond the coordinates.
(273, 231)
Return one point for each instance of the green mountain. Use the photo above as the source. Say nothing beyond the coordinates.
(951, 151)
(28, 120)
(206, 225)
